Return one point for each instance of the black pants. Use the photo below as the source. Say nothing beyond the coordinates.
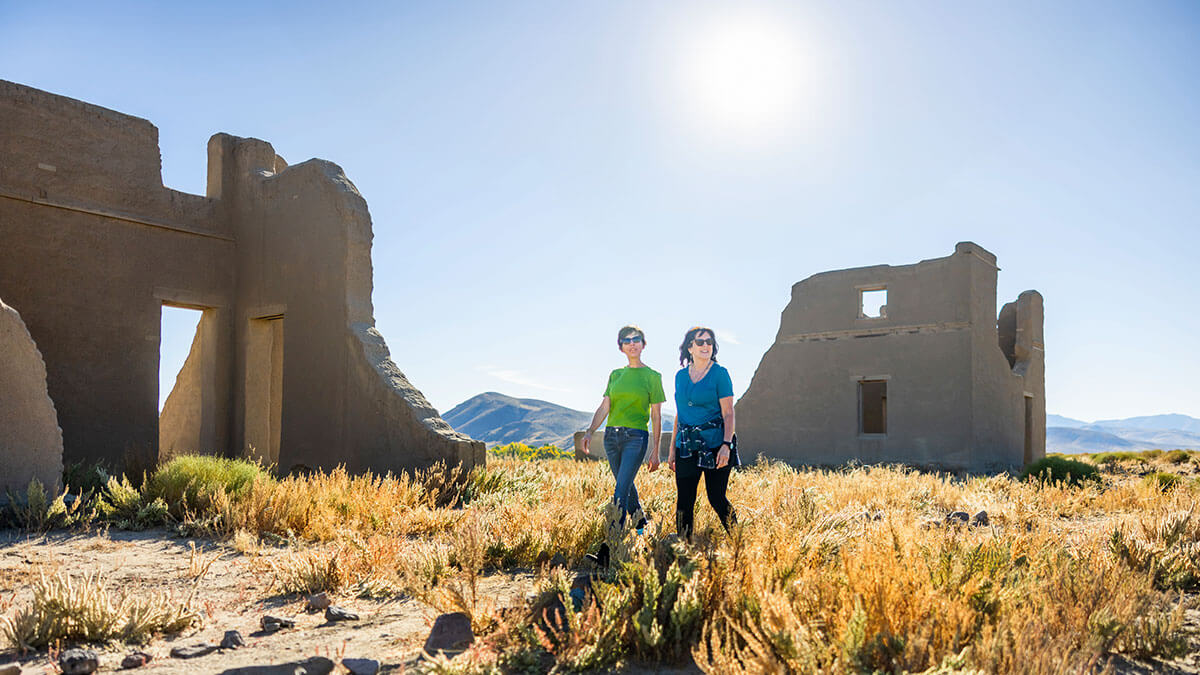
(687, 480)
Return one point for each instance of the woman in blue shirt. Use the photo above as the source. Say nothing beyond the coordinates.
(702, 442)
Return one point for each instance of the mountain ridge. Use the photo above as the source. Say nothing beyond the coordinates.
(499, 419)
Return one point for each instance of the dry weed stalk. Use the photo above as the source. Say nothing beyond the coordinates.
(82, 609)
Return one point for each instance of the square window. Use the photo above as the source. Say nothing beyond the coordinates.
(872, 303)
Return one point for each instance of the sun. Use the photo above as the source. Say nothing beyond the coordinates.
(744, 77)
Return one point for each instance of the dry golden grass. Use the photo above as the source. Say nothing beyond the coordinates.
(810, 580)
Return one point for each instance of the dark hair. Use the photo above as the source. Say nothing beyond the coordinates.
(685, 357)
(628, 331)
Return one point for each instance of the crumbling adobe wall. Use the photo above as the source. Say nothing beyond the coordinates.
(309, 262)
(953, 401)
(31, 444)
(91, 245)
(278, 259)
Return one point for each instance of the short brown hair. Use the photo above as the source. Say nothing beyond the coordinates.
(628, 331)
(685, 357)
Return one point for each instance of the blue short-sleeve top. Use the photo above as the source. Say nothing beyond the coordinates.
(699, 402)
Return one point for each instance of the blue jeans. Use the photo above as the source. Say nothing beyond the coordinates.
(625, 448)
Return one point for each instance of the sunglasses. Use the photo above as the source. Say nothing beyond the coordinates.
(700, 342)
(631, 340)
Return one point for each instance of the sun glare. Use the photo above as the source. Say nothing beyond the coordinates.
(744, 77)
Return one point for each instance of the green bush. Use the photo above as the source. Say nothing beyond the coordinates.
(81, 478)
(1152, 454)
(187, 483)
(1162, 480)
(522, 451)
(1105, 458)
(1059, 469)
(123, 506)
(1176, 456)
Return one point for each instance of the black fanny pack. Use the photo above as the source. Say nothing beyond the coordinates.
(691, 441)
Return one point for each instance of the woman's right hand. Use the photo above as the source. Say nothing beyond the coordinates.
(587, 441)
(671, 459)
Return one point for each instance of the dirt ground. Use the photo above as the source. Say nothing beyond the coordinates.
(232, 595)
(235, 592)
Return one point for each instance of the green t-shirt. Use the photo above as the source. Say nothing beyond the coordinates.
(631, 392)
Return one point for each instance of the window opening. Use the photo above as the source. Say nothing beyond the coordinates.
(872, 304)
(872, 406)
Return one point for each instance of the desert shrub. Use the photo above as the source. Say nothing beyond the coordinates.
(1176, 456)
(125, 506)
(83, 478)
(522, 451)
(189, 483)
(82, 609)
(37, 511)
(1152, 454)
(1162, 480)
(1058, 469)
(1105, 458)
(1168, 548)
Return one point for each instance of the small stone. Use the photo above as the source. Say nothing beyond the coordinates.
(559, 560)
(450, 632)
(318, 601)
(314, 665)
(274, 623)
(136, 660)
(361, 666)
(10, 669)
(959, 518)
(232, 640)
(980, 519)
(78, 661)
(195, 651)
(335, 613)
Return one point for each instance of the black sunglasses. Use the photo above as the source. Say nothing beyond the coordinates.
(630, 340)
(700, 342)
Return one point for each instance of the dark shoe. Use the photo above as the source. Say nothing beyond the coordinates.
(600, 557)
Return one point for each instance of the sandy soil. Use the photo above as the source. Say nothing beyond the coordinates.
(233, 595)
(236, 591)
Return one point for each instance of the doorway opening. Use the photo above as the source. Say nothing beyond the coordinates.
(185, 380)
(264, 388)
(872, 406)
(1028, 430)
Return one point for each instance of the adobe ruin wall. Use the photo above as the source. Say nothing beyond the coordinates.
(950, 396)
(277, 258)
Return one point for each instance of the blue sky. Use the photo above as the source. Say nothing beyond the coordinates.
(541, 173)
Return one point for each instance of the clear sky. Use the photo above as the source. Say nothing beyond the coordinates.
(541, 173)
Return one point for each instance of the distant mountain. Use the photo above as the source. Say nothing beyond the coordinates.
(1156, 422)
(1071, 440)
(497, 419)
(1060, 421)
(1165, 432)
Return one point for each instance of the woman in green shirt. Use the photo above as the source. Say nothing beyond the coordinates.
(633, 397)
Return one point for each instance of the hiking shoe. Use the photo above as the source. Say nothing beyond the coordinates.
(600, 557)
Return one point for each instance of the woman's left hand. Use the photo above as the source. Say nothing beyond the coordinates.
(654, 463)
(723, 456)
